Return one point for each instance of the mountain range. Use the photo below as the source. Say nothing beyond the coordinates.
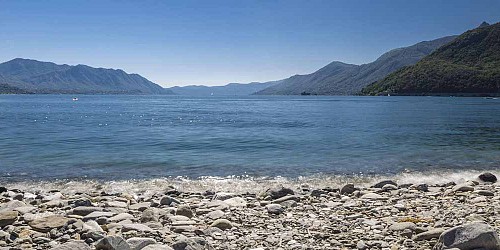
(231, 89)
(26, 75)
(338, 78)
(469, 65)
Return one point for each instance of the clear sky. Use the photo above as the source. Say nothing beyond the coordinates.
(216, 42)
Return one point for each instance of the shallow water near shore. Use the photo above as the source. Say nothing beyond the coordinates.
(210, 140)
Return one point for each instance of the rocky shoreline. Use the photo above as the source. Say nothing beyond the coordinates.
(385, 215)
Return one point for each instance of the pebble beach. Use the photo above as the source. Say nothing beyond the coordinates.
(382, 215)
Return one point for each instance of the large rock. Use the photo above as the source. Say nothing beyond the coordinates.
(277, 192)
(46, 224)
(476, 235)
(488, 177)
(8, 217)
(112, 243)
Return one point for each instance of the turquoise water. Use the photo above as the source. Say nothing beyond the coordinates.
(114, 137)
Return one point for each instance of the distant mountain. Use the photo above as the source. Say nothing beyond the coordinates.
(339, 78)
(470, 65)
(46, 77)
(231, 89)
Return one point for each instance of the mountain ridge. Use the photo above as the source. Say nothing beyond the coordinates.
(230, 89)
(47, 77)
(338, 78)
(469, 65)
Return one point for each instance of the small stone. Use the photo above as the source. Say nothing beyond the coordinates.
(121, 217)
(222, 196)
(422, 187)
(46, 224)
(137, 243)
(167, 200)
(96, 215)
(11, 205)
(400, 226)
(112, 243)
(184, 211)
(116, 204)
(484, 193)
(140, 206)
(389, 187)
(383, 183)
(222, 224)
(431, 234)
(464, 187)
(286, 198)
(149, 214)
(92, 226)
(215, 214)
(73, 245)
(136, 227)
(488, 177)
(274, 209)
(278, 192)
(193, 243)
(82, 203)
(8, 218)
(373, 196)
(347, 189)
(361, 245)
(84, 210)
(158, 247)
(236, 202)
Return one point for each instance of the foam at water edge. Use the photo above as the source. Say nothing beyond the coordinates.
(244, 184)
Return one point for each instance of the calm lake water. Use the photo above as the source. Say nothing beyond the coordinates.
(45, 137)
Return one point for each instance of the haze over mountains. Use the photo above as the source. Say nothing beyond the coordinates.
(469, 65)
(33, 76)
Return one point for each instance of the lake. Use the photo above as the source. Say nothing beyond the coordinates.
(116, 137)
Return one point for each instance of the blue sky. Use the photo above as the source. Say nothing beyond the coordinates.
(216, 42)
